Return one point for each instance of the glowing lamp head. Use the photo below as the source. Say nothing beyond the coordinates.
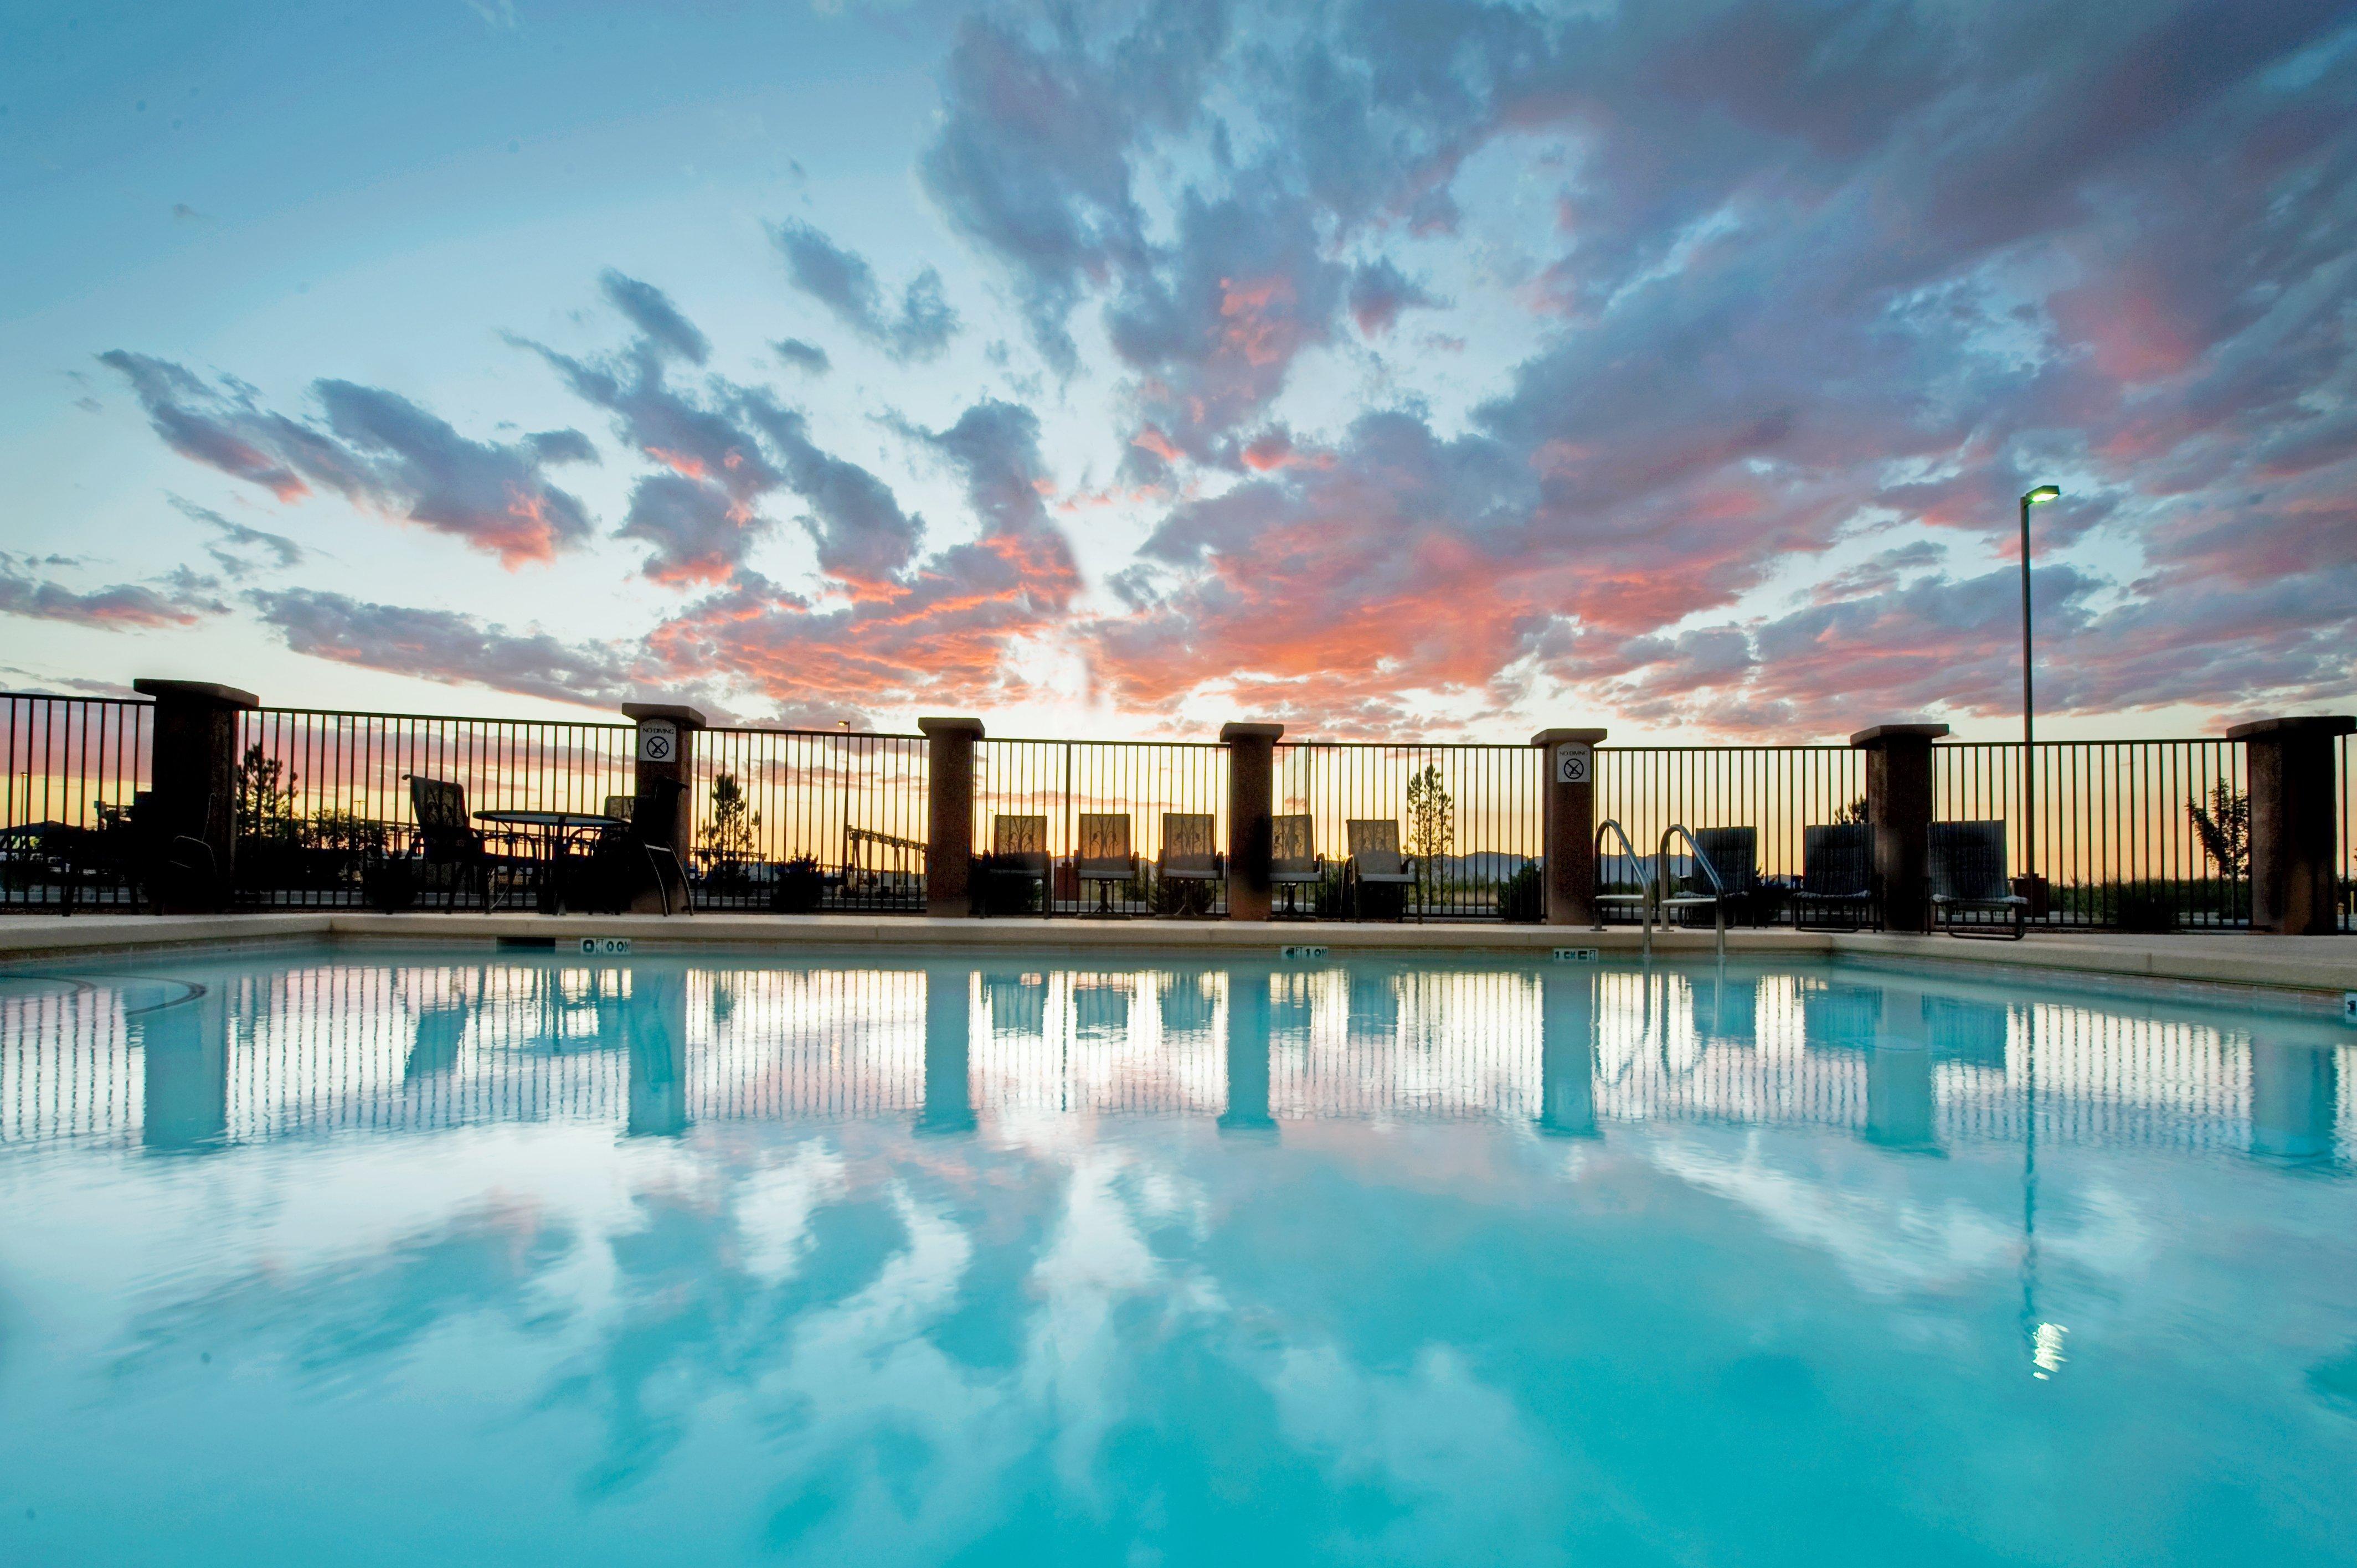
(2043, 493)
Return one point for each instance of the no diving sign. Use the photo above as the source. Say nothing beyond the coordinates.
(1575, 762)
(658, 740)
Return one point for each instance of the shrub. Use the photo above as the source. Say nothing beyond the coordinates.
(1521, 898)
(2146, 908)
(993, 894)
(799, 886)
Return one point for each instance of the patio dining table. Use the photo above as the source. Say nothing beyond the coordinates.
(553, 836)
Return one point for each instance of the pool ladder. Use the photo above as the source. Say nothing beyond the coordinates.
(1653, 876)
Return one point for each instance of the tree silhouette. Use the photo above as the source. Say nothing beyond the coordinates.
(729, 833)
(2224, 829)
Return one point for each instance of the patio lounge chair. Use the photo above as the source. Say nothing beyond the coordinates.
(1376, 862)
(1293, 857)
(158, 861)
(1190, 849)
(1104, 855)
(1968, 873)
(1837, 891)
(654, 824)
(1018, 850)
(1734, 854)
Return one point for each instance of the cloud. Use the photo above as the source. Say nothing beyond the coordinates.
(844, 282)
(799, 355)
(1032, 161)
(123, 606)
(374, 447)
(237, 547)
(738, 446)
(658, 320)
(943, 629)
(442, 645)
(699, 535)
(1817, 279)
(1379, 292)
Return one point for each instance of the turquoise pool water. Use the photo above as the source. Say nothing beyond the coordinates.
(366, 1256)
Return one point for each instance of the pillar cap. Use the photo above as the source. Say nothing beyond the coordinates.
(1242, 730)
(937, 725)
(1557, 737)
(2287, 728)
(679, 714)
(1883, 734)
(197, 691)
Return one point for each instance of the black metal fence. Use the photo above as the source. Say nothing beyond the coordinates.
(75, 766)
(323, 797)
(1775, 790)
(1468, 815)
(801, 821)
(1093, 805)
(2138, 834)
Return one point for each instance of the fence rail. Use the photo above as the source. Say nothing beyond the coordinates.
(2128, 833)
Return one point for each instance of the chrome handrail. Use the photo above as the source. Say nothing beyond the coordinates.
(1629, 851)
(1718, 899)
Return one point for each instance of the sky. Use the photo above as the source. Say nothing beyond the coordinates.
(1409, 368)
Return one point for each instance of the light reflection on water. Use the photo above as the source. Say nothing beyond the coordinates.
(496, 1257)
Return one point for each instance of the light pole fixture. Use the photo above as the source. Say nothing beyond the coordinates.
(2029, 754)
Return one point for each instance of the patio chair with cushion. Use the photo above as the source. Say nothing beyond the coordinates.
(1190, 850)
(1018, 852)
(1293, 857)
(1734, 854)
(654, 828)
(452, 850)
(1376, 862)
(1104, 855)
(1968, 876)
(1837, 891)
(152, 858)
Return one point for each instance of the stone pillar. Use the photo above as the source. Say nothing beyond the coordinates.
(949, 1015)
(2295, 866)
(1567, 825)
(193, 780)
(1899, 807)
(658, 1053)
(1568, 1051)
(666, 750)
(184, 1073)
(2295, 1089)
(1902, 1108)
(948, 814)
(1252, 779)
(1247, 1053)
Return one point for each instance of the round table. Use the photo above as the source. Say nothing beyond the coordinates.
(554, 834)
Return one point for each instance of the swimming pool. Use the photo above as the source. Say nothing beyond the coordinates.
(372, 1256)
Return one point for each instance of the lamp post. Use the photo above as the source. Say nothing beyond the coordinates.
(2029, 754)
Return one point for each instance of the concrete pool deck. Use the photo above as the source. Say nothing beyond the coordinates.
(2319, 967)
